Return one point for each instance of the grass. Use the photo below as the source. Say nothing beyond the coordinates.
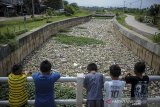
(121, 20)
(79, 41)
(17, 27)
(156, 38)
(80, 27)
(65, 30)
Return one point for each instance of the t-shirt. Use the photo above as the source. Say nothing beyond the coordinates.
(139, 86)
(44, 89)
(93, 83)
(17, 90)
(113, 93)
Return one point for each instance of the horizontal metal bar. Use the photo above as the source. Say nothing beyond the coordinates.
(74, 79)
(73, 101)
(31, 102)
(151, 78)
(30, 79)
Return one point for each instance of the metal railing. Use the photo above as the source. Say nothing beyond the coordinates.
(79, 101)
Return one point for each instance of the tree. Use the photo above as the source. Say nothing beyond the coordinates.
(65, 3)
(55, 4)
(154, 11)
(74, 5)
(28, 6)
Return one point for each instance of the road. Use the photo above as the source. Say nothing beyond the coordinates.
(130, 20)
(15, 18)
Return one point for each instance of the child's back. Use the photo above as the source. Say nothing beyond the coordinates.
(139, 82)
(114, 89)
(17, 87)
(113, 92)
(44, 85)
(93, 83)
(139, 85)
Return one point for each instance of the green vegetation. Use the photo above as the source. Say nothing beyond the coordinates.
(65, 30)
(121, 20)
(10, 39)
(16, 27)
(150, 15)
(80, 41)
(80, 27)
(156, 38)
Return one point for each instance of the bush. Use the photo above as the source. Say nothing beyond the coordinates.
(50, 12)
(140, 18)
(156, 38)
(69, 10)
(10, 39)
(117, 14)
(158, 24)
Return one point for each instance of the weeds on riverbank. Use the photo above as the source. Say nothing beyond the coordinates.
(156, 38)
(73, 40)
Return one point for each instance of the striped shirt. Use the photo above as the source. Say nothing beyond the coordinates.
(17, 90)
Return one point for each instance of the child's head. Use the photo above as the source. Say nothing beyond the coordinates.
(139, 67)
(17, 69)
(115, 71)
(45, 66)
(92, 67)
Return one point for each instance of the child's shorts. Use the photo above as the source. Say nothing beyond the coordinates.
(95, 103)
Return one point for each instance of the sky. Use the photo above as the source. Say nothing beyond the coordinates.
(115, 3)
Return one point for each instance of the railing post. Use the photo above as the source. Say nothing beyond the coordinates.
(79, 94)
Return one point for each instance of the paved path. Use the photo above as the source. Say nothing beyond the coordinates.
(15, 18)
(130, 20)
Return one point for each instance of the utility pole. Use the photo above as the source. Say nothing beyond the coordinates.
(141, 4)
(32, 8)
(124, 6)
(130, 5)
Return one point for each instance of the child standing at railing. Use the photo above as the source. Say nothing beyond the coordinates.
(113, 89)
(93, 83)
(139, 85)
(17, 87)
(44, 85)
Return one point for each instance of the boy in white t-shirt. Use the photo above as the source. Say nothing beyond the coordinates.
(113, 89)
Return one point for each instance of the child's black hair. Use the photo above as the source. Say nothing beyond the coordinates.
(17, 69)
(139, 67)
(92, 67)
(115, 70)
(45, 66)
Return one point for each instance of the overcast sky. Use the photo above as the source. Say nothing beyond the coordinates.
(115, 3)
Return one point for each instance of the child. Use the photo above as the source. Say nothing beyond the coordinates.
(44, 85)
(93, 83)
(113, 89)
(17, 91)
(139, 82)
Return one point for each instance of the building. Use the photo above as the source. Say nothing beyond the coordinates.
(10, 7)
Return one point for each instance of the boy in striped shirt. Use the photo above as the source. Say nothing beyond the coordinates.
(17, 87)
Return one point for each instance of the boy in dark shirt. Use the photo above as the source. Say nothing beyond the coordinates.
(139, 83)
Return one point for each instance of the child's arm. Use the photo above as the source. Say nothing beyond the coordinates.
(85, 82)
(128, 77)
(28, 73)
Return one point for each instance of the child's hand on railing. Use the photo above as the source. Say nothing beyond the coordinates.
(28, 73)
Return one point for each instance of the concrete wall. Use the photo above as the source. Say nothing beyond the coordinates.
(140, 45)
(31, 40)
